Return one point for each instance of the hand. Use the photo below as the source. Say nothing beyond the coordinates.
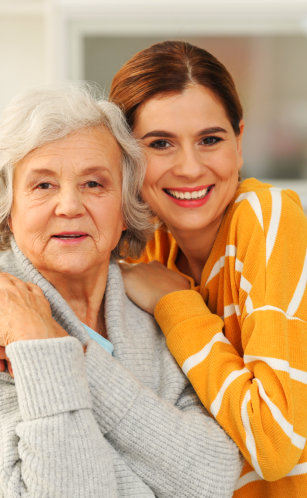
(24, 312)
(147, 283)
(5, 362)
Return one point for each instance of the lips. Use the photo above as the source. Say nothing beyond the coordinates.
(188, 194)
(70, 235)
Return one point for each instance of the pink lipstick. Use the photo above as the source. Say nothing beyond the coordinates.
(191, 197)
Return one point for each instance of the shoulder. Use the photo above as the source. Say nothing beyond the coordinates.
(259, 204)
(8, 262)
(139, 343)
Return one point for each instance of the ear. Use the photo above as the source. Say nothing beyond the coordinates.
(124, 226)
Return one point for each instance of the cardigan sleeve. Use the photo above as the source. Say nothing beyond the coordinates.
(50, 445)
(177, 449)
(259, 397)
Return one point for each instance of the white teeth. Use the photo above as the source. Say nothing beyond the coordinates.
(196, 194)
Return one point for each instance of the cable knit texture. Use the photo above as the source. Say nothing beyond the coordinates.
(93, 425)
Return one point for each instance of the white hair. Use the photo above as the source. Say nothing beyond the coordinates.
(44, 115)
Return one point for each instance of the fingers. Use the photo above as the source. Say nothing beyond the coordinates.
(35, 289)
(6, 279)
(2, 353)
(5, 363)
(10, 369)
(14, 289)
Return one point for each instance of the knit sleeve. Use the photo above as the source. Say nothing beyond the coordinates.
(176, 449)
(50, 445)
(259, 397)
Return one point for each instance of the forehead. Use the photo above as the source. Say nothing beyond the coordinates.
(82, 146)
(193, 103)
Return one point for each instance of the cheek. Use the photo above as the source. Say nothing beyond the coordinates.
(150, 175)
(156, 167)
(108, 214)
(230, 165)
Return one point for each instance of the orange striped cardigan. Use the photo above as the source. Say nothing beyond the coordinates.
(242, 339)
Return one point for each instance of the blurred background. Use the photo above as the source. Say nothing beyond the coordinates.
(263, 43)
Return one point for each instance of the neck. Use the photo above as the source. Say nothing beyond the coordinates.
(195, 248)
(84, 294)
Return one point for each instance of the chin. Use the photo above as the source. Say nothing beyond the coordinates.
(65, 269)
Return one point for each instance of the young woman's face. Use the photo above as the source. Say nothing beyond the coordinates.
(193, 158)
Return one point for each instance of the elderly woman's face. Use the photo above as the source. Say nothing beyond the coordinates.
(67, 210)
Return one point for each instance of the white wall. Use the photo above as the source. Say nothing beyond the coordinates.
(22, 53)
(42, 41)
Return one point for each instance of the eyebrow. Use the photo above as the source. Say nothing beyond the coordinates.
(34, 173)
(167, 134)
(47, 171)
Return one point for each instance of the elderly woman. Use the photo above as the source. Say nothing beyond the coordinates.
(96, 406)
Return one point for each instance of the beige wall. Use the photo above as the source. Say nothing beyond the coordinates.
(21, 54)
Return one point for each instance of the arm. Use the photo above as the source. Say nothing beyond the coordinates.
(50, 444)
(177, 450)
(260, 397)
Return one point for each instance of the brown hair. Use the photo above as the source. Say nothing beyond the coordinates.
(169, 67)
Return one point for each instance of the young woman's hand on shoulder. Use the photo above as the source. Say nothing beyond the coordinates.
(147, 283)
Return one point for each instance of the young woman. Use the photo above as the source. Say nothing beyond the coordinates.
(238, 325)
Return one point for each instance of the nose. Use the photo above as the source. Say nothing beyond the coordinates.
(69, 202)
(188, 163)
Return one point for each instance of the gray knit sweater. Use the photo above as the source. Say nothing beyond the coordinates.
(93, 425)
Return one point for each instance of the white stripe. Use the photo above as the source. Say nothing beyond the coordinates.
(250, 441)
(197, 358)
(239, 266)
(216, 268)
(296, 439)
(231, 309)
(282, 365)
(249, 305)
(274, 222)
(245, 284)
(231, 251)
(268, 307)
(299, 469)
(216, 404)
(299, 291)
(255, 204)
(246, 479)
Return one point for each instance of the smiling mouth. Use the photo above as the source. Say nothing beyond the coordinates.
(188, 196)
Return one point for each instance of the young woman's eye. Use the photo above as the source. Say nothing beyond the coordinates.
(160, 144)
(211, 140)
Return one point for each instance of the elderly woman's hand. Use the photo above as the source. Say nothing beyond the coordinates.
(24, 313)
(5, 362)
(147, 283)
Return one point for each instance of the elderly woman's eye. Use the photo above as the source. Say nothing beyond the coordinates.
(93, 184)
(44, 186)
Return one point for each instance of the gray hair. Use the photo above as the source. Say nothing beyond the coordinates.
(40, 116)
